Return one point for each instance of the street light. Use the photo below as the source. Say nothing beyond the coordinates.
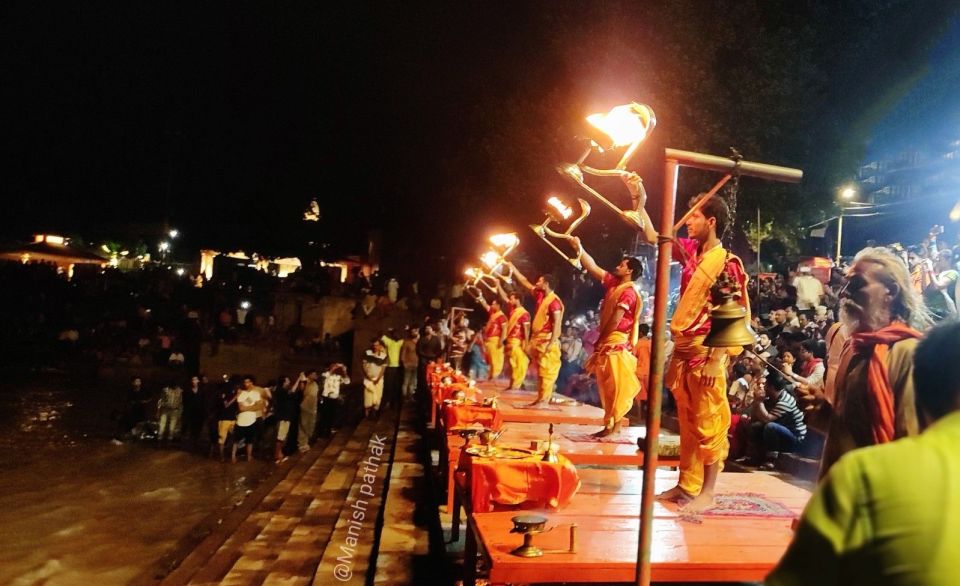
(174, 233)
(846, 196)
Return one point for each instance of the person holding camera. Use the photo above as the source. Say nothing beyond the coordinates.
(334, 377)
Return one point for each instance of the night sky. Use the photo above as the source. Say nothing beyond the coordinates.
(430, 121)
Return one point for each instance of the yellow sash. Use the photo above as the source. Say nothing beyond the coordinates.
(493, 319)
(607, 334)
(697, 294)
(515, 316)
(542, 315)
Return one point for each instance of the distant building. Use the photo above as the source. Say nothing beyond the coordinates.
(49, 248)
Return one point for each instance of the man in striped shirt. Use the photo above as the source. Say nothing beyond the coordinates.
(777, 422)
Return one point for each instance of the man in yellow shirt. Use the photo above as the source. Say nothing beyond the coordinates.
(393, 377)
(890, 514)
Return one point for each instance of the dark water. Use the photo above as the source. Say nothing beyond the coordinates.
(77, 509)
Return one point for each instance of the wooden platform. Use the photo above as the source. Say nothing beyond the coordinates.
(573, 414)
(579, 453)
(606, 511)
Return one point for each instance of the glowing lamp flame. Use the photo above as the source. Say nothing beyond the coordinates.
(471, 272)
(490, 258)
(561, 208)
(503, 241)
(625, 124)
(955, 213)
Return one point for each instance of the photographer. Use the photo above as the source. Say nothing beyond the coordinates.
(334, 377)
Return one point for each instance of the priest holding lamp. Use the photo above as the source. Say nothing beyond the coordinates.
(494, 332)
(697, 372)
(517, 337)
(544, 347)
(613, 361)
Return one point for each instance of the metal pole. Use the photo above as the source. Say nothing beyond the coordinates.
(723, 165)
(651, 444)
(759, 266)
(839, 234)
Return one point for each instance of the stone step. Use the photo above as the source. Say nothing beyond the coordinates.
(200, 556)
(256, 556)
(297, 557)
(404, 544)
(351, 549)
(799, 466)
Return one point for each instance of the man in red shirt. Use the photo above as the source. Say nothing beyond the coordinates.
(517, 336)
(544, 346)
(613, 361)
(494, 333)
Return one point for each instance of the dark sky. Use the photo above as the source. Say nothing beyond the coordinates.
(225, 119)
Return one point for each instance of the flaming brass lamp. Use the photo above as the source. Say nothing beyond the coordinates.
(476, 276)
(559, 213)
(627, 125)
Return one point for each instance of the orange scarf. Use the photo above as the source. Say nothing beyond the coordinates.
(882, 410)
(515, 316)
(492, 323)
(607, 312)
(542, 316)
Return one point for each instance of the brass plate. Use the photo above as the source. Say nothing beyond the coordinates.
(499, 453)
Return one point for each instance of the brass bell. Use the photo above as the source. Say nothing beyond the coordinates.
(729, 326)
(729, 322)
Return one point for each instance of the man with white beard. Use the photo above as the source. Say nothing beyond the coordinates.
(873, 394)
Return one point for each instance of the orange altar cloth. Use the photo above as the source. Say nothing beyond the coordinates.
(498, 484)
(460, 416)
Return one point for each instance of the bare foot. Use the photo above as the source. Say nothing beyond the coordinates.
(700, 503)
(675, 495)
(603, 432)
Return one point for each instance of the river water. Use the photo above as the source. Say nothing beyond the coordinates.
(78, 509)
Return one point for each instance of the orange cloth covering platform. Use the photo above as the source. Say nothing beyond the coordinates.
(456, 417)
(495, 484)
(606, 511)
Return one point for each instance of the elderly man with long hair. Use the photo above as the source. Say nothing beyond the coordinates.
(873, 391)
(887, 515)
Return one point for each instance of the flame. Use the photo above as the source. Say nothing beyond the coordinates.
(507, 240)
(471, 272)
(558, 205)
(490, 258)
(955, 213)
(624, 124)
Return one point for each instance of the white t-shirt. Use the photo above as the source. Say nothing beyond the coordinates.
(809, 291)
(374, 364)
(248, 398)
(332, 383)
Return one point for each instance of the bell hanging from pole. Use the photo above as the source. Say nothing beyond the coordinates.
(729, 322)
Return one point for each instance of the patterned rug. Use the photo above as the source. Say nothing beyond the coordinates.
(587, 438)
(743, 504)
(536, 407)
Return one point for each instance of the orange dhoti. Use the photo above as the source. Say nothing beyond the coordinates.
(702, 411)
(494, 351)
(615, 366)
(519, 362)
(547, 357)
